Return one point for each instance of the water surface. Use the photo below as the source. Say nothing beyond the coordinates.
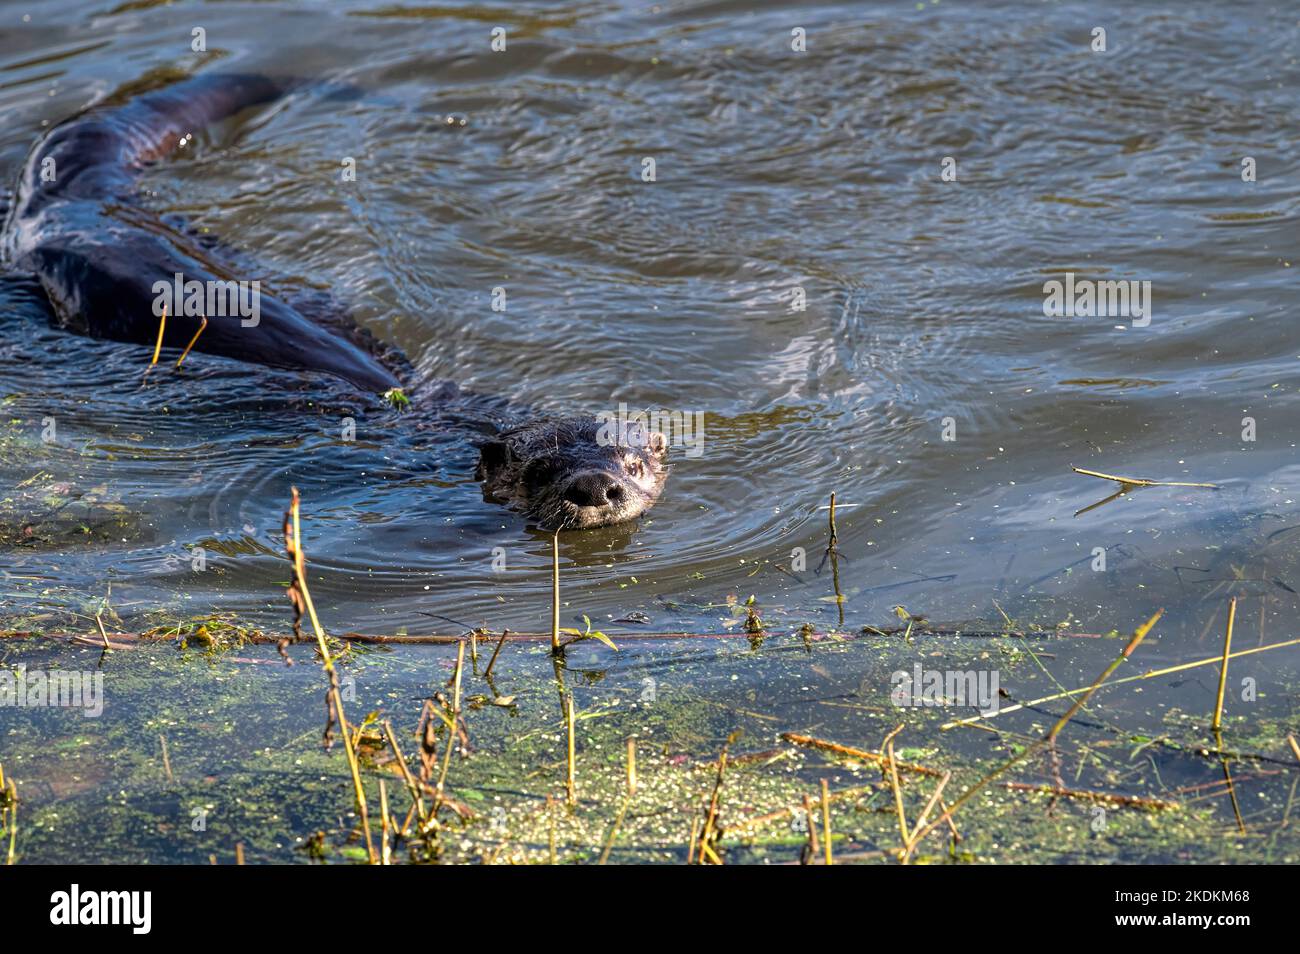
(775, 171)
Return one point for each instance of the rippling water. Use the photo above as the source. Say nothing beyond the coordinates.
(922, 384)
(775, 171)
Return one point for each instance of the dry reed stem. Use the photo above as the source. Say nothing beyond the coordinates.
(834, 540)
(1050, 738)
(167, 762)
(898, 796)
(157, 348)
(257, 638)
(627, 800)
(1223, 668)
(814, 843)
(9, 792)
(850, 752)
(184, 354)
(826, 822)
(487, 673)
(555, 594)
(708, 833)
(1115, 664)
(293, 544)
(1128, 801)
(412, 785)
(913, 840)
(789, 811)
(452, 723)
(571, 783)
(385, 846)
(1155, 673)
(1140, 482)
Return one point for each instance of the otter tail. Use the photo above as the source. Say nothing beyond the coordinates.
(97, 154)
(104, 262)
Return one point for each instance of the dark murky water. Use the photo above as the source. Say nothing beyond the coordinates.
(776, 170)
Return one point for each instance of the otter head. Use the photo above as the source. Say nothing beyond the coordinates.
(575, 473)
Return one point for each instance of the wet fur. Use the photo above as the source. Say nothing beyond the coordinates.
(97, 253)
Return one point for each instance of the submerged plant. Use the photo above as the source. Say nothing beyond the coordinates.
(589, 633)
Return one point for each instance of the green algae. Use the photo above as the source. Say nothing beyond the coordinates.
(247, 766)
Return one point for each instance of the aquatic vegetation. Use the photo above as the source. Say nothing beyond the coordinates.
(44, 512)
(689, 770)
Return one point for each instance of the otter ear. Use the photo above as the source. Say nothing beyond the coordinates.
(493, 455)
(657, 444)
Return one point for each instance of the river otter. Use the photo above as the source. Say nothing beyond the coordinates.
(102, 259)
(573, 473)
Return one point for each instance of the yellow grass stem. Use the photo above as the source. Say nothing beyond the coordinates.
(834, 536)
(853, 753)
(898, 795)
(167, 762)
(453, 725)
(925, 813)
(555, 594)
(296, 554)
(157, 348)
(1153, 674)
(631, 766)
(385, 845)
(1115, 664)
(1223, 668)
(571, 785)
(487, 673)
(1050, 738)
(179, 361)
(1127, 801)
(709, 833)
(627, 800)
(411, 785)
(826, 822)
(1140, 482)
(9, 798)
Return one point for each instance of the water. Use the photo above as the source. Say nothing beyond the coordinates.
(776, 170)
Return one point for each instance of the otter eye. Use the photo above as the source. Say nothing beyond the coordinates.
(634, 465)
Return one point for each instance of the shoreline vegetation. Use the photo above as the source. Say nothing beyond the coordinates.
(735, 805)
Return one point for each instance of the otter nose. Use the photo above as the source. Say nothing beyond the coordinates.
(593, 490)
